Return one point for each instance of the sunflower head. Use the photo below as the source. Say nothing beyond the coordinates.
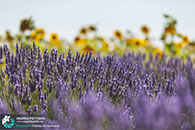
(79, 41)
(145, 29)
(54, 40)
(129, 41)
(53, 37)
(101, 39)
(170, 30)
(88, 48)
(139, 42)
(83, 31)
(105, 45)
(27, 24)
(186, 39)
(158, 52)
(179, 45)
(92, 28)
(40, 33)
(33, 35)
(8, 36)
(118, 34)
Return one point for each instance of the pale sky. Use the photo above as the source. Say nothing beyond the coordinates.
(66, 17)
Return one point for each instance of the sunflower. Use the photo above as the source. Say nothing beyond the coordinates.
(135, 41)
(40, 33)
(33, 36)
(129, 41)
(79, 41)
(105, 45)
(53, 37)
(27, 24)
(118, 34)
(139, 42)
(158, 51)
(179, 45)
(145, 29)
(170, 30)
(92, 28)
(186, 39)
(54, 40)
(83, 31)
(88, 48)
(100, 38)
(24, 25)
(9, 37)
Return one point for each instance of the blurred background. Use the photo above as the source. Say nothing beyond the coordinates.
(66, 17)
(101, 26)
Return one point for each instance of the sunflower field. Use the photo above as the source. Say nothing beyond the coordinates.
(96, 83)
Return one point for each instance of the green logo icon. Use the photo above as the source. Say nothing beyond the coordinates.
(8, 122)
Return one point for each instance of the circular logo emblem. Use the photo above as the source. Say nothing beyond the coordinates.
(8, 122)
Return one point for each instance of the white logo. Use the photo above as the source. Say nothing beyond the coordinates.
(5, 119)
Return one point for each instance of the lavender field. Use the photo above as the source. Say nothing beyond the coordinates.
(81, 91)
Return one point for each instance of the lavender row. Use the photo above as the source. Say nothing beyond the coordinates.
(82, 91)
